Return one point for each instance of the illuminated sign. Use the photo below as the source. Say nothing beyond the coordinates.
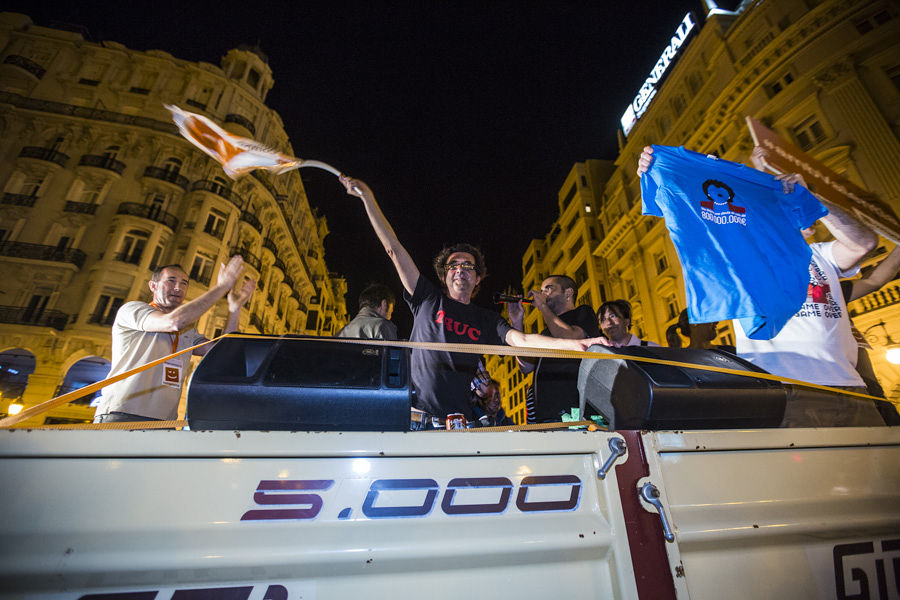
(648, 90)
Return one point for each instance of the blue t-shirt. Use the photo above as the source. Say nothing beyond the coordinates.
(737, 235)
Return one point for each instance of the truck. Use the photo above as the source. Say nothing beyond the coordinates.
(289, 515)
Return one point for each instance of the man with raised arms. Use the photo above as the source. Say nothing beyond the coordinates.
(144, 332)
(446, 314)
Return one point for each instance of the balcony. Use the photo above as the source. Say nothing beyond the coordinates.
(26, 64)
(249, 258)
(84, 208)
(251, 220)
(18, 199)
(242, 121)
(46, 154)
(103, 162)
(288, 281)
(269, 245)
(218, 189)
(42, 252)
(886, 296)
(167, 176)
(279, 264)
(23, 315)
(148, 211)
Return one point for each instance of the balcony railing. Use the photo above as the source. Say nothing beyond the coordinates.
(23, 315)
(26, 64)
(47, 154)
(279, 264)
(18, 199)
(249, 258)
(251, 219)
(85, 208)
(170, 176)
(288, 281)
(148, 211)
(269, 245)
(103, 162)
(242, 121)
(42, 252)
(886, 296)
(217, 189)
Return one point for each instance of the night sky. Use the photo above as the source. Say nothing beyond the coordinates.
(463, 117)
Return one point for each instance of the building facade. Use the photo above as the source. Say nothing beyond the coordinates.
(99, 189)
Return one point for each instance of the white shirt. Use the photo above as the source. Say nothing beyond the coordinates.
(816, 344)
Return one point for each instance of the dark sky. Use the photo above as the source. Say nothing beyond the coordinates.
(463, 117)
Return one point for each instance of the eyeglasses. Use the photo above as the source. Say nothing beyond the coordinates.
(463, 266)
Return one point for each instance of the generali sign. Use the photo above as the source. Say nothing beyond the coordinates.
(784, 157)
(642, 100)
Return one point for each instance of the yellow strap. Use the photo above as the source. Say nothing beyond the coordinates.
(441, 347)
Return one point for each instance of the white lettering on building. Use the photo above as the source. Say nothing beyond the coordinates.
(642, 100)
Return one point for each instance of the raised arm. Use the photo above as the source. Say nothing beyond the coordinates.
(406, 268)
(880, 275)
(558, 328)
(853, 239)
(189, 312)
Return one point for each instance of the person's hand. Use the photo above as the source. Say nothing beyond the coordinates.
(538, 299)
(645, 160)
(789, 181)
(355, 187)
(228, 274)
(588, 342)
(516, 313)
(758, 158)
(239, 298)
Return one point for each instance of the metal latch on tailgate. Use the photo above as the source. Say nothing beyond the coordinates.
(617, 449)
(650, 494)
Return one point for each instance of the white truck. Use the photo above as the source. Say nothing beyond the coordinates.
(238, 514)
(186, 515)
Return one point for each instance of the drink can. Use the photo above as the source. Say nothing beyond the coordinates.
(456, 421)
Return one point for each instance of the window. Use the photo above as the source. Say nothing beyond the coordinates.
(143, 83)
(253, 78)
(92, 74)
(779, 84)
(569, 195)
(32, 185)
(64, 243)
(111, 152)
(172, 165)
(215, 223)
(157, 254)
(677, 104)
(156, 206)
(629, 288)
(312, 320)
(894, 75)
(104, 312)
(671, 307)
(864, 26)
(661, 261)
(202, 268)
(809, 133)
(90, 194)
(132, 248)
(35, 308)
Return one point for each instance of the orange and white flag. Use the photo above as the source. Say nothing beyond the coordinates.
(237, 155)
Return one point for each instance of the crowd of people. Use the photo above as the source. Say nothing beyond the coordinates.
(815, 345)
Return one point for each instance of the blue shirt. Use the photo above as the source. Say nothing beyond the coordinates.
(737, 235)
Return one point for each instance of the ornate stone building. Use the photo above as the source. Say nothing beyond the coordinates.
(824, 74)
(98, 189)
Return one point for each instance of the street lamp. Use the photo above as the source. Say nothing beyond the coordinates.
(893, 348)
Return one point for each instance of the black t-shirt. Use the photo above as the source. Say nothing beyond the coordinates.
(556, 379)
(441, 379)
